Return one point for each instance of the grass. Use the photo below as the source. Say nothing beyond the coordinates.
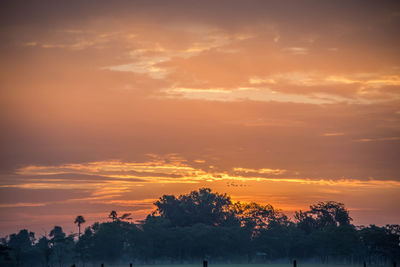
(249, 265)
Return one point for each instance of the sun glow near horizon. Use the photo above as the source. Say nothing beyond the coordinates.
(113, 183)
(286, 104)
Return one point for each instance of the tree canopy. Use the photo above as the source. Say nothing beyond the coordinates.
(207, 225)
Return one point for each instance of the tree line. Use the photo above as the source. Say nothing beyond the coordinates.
(207, 225)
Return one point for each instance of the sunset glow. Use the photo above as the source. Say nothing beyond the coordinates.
(109, 106)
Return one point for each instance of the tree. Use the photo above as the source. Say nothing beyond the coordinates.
(125, 216)
(79, 220)
(204, 224)
(327, 224)
(114, 216)
(84, 246)
(200, 206)
(5, 259)
(381, 243)
(21, 246)
(323, 214)
(43, 246)
(61, 244)
(109, 242)
(256, 217)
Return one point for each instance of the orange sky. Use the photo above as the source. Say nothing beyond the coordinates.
(110, 105)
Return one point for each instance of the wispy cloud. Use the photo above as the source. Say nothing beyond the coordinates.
(176, 170)
(245, 93)
(21, 204)
(333, 134)
(260, 171)
(150, 60)
(394, 138)
(297, 50)
(249, 96)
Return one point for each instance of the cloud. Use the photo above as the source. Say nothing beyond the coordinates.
(332, 134)
(176, 170)
(395, 138)
(302, 96)
(289, 194)
(149, 59)
(22, 204)
(197, 55)
(297, 50)
(260, 171)
(145, 203)
(246, 93)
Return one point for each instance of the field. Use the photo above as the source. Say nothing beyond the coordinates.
(252, 265)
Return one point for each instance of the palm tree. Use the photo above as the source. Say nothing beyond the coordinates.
(79, 220)
(125, 216)
(113, 215)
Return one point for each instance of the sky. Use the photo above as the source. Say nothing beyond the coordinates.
(109, 105)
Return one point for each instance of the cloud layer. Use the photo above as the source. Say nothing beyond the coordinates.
(109, 106)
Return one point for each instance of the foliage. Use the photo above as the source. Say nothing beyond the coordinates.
(197, 207)
(207, 225)
(323, 214)
(79, 220)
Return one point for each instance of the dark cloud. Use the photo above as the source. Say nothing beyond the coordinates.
(23, 195)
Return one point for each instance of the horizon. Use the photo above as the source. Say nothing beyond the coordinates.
(108, 106)
(90, 219)
(130, 218)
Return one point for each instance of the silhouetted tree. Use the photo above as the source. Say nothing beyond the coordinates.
(109, 241)
(200, 206)
(61, 244)
(204, 224)
(84, 246)
(381, 243)
(5, 259)
(21, 246)
(79, 220)
(323, 214)
(44, 250)
(114, 216)
(256, 217)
